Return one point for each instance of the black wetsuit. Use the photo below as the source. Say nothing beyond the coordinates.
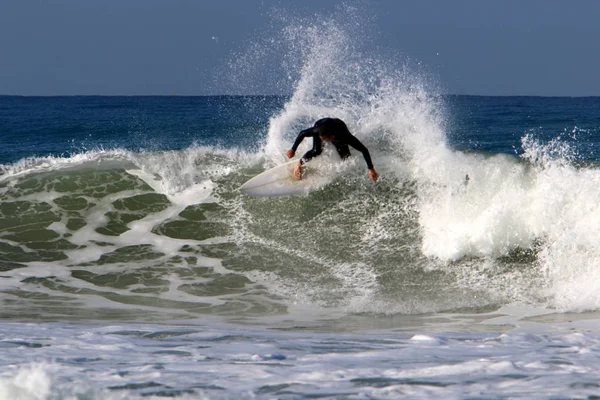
(342, 138)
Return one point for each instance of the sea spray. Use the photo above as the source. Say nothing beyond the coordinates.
(566, 216)
(468, 204)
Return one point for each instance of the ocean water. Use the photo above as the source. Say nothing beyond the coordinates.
(132, 267)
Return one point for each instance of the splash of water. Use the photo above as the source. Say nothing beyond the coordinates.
(469, 205)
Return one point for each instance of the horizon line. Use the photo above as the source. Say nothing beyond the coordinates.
(278, 95)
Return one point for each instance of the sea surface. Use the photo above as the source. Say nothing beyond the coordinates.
(132, 267)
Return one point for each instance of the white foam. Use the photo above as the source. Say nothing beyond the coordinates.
(182, 174)
(484, 215)
(115, 361)
(507, 205)
(426, 339)
(95, 158)
(31, 382)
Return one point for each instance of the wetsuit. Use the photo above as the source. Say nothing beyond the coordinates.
(342, 138)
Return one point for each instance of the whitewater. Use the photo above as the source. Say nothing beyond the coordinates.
(132, 267)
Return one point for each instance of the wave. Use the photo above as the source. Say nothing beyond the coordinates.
(167, 234)
(478, 229)
(518, 229)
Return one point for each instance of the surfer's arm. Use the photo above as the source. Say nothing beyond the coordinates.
(354, 142)
(316, 150)
(310, 132)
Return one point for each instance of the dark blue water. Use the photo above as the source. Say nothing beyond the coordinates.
(497, 124)
(62, 126)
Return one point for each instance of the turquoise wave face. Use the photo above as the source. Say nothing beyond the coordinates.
(111, 240)
(67, 237)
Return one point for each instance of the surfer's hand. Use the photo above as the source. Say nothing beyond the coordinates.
(373, 175)
(290, 153)
(297, 172)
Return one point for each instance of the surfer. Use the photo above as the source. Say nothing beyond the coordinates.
(332, 130)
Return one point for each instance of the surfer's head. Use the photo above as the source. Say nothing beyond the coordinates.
(327, 137)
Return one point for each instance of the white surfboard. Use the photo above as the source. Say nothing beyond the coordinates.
(280, 181)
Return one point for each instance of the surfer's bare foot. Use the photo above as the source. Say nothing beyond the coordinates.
(297, 172)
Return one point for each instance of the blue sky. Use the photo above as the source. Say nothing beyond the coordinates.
(131, 47)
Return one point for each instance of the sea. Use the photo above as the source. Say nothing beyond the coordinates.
(132, 267)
